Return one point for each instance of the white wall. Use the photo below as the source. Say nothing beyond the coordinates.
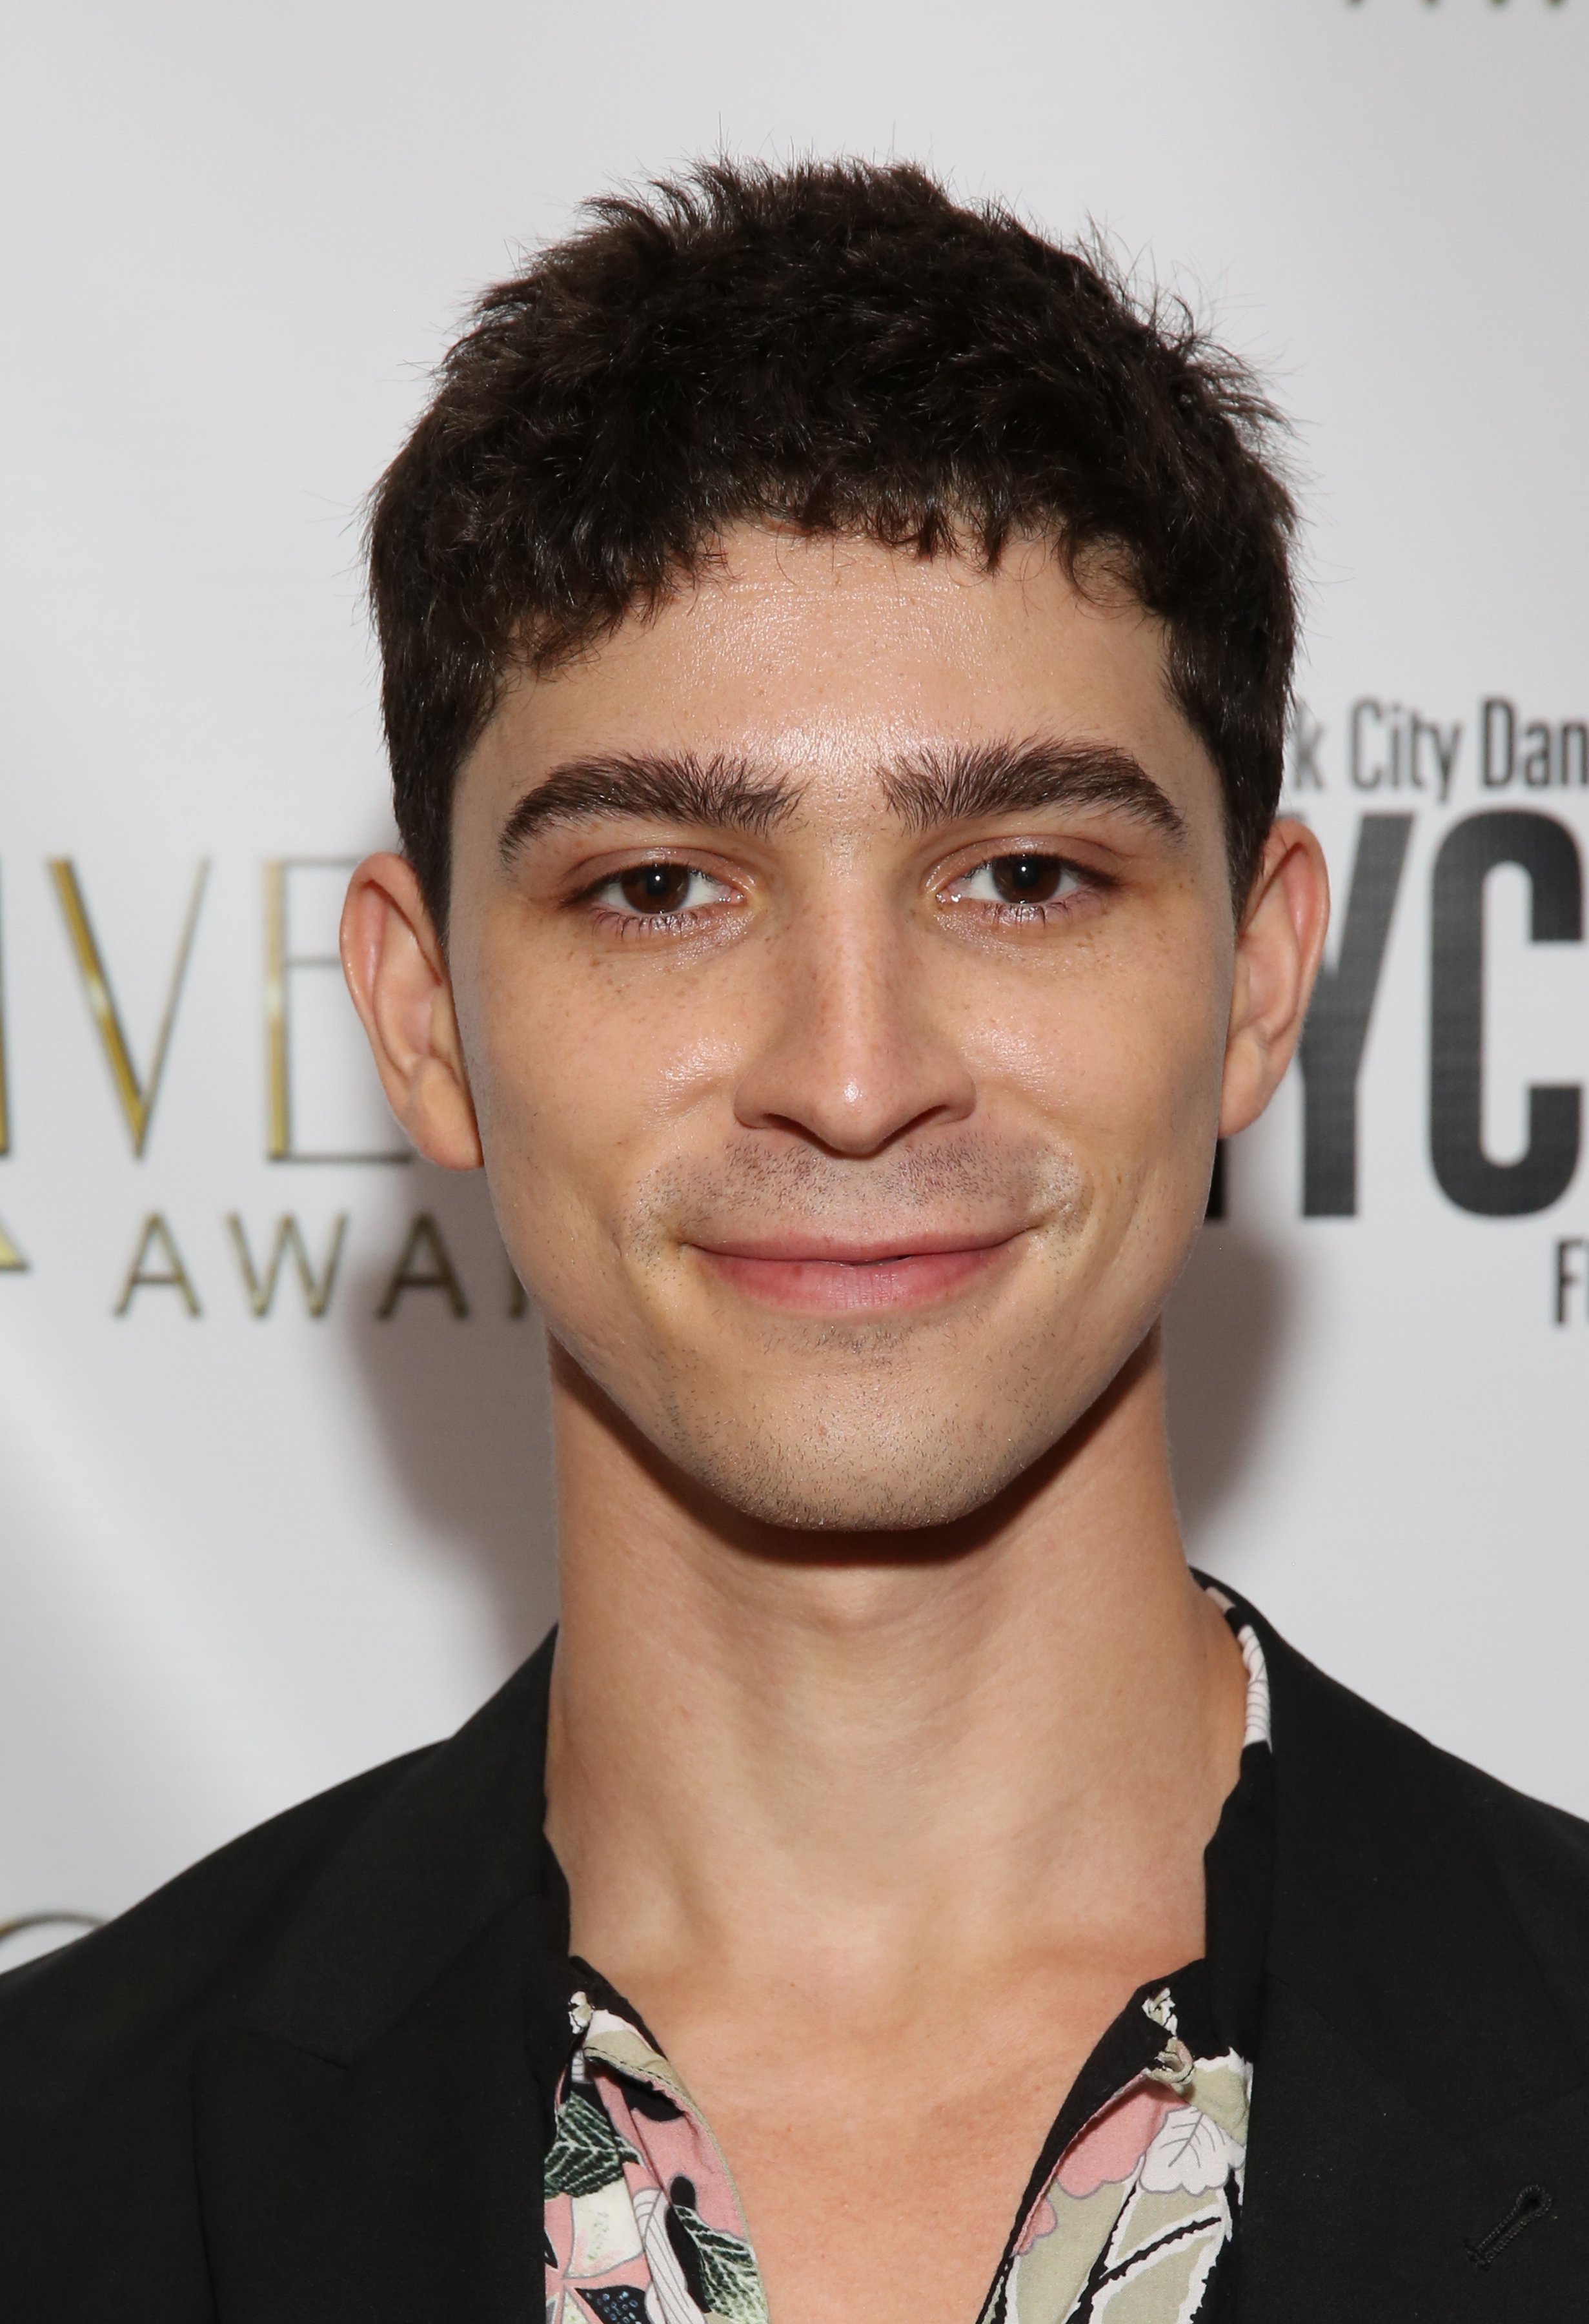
(240, 1558)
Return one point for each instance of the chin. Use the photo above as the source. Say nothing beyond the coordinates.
(856, 1479)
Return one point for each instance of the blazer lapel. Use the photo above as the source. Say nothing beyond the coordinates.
(1415, 2078)
(370, 2130)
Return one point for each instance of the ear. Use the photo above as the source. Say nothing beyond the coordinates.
(1278, 948)
(397, 973)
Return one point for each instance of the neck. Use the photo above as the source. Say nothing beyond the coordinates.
(891, 1747)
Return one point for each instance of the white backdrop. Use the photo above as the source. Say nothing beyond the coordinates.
(244, 1555)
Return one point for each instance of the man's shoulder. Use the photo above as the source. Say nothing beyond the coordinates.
(178, 1961)
(303, 1938)
(1541, 1853)
(1402, 1868)
(1424, 2046)
(1542, 1850)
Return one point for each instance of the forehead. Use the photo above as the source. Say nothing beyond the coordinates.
(828, 657)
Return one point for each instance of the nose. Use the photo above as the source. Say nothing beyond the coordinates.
(854, 1054)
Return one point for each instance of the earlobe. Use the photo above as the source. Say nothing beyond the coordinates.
(1279, 945)
(396, 973)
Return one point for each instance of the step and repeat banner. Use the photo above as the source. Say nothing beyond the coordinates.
(274, 1460)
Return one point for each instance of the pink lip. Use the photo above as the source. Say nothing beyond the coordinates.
(824, 1275)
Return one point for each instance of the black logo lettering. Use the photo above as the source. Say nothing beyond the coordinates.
(1336, 1031)
(1546, 851)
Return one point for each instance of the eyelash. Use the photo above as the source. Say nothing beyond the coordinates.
(631, 925)
(1011, 912)
(1003, 912)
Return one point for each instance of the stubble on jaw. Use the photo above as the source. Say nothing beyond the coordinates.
(875, 1424)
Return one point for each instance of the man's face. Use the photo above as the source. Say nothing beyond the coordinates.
(843, 961)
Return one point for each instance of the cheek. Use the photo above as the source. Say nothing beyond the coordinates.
(580, 1071)
(1123, 1052)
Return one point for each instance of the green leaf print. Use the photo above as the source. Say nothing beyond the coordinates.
(586, 2152)
(730, 2277)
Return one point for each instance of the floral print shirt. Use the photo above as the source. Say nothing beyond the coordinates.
(1133, 2204)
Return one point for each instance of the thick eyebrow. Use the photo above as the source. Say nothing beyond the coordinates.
(724, 793)
(938, 785)
(959, 781)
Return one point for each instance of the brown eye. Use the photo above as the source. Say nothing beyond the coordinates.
(1027, 879)
(655, 887)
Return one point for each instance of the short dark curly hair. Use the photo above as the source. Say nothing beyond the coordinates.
(841, 348)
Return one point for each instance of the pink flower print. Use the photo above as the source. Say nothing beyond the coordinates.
(1115, 2141)
(1040, 2221)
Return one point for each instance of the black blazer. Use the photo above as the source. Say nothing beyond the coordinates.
(310, 2081)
